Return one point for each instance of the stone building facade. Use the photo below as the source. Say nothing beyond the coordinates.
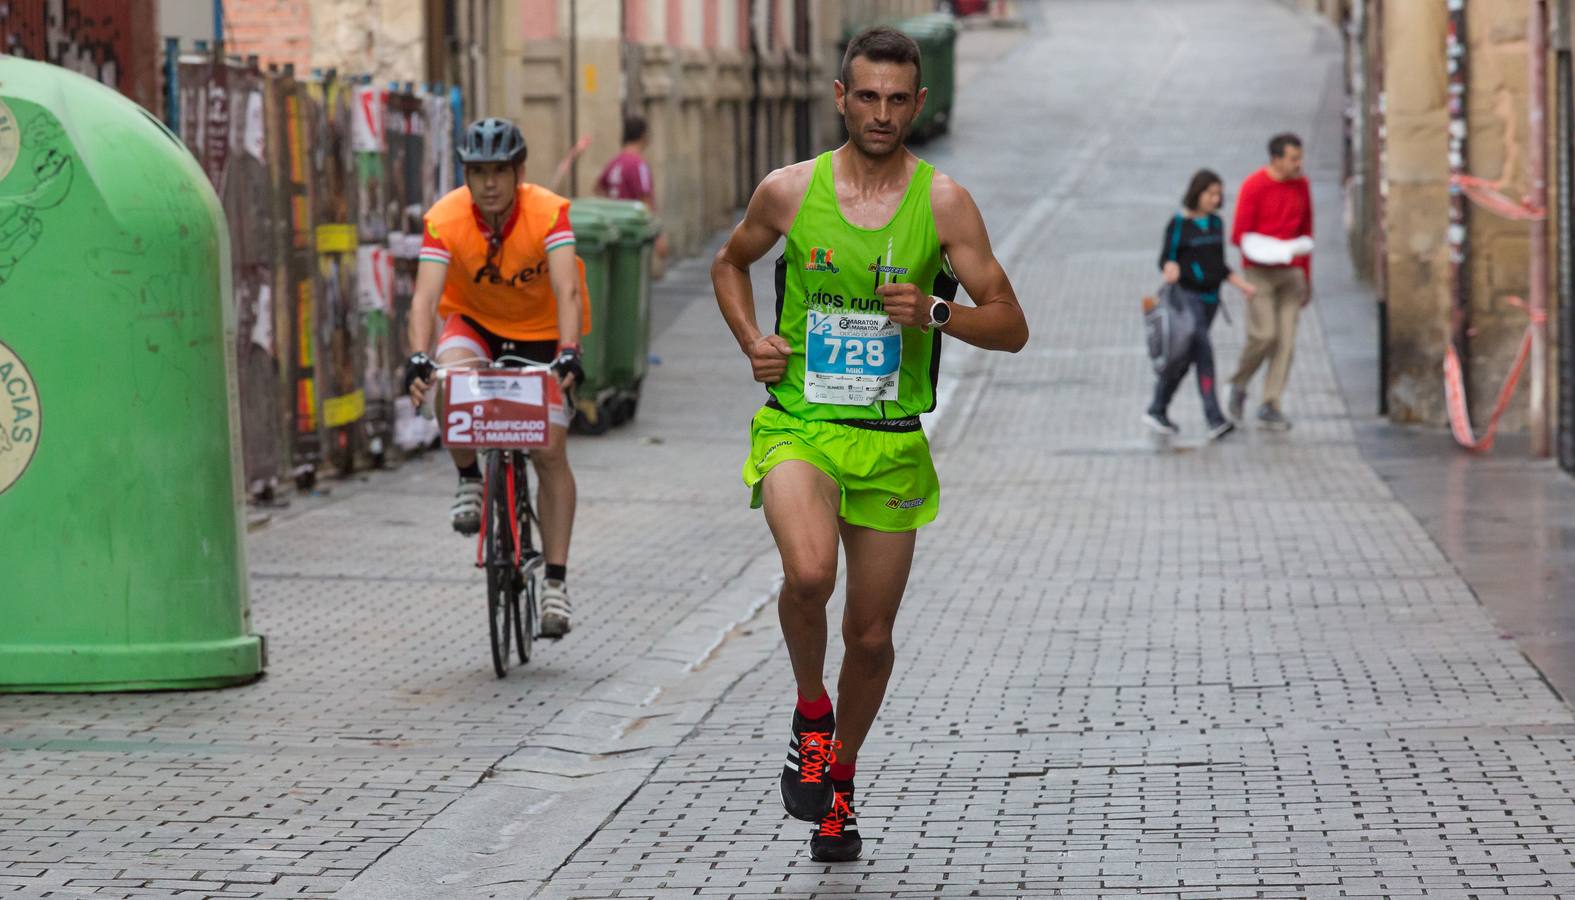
(1404, 146)
(731, 88)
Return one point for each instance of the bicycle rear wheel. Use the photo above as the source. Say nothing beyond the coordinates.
(502, 588)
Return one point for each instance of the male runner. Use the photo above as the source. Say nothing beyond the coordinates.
(498, 264)
(874, 238)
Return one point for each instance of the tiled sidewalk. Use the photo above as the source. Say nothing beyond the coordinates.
(1239, 670)
(1124, 670)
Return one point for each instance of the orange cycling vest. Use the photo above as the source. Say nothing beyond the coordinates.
(519, 302)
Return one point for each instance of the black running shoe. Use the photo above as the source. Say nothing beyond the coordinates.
(837, 839)
(806, 783)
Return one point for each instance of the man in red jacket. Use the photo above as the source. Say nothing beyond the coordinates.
(1276, 203)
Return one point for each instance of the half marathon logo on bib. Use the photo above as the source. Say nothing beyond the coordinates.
(21, 418)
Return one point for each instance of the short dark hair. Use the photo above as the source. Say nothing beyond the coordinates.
(633, 129)
(882, 44)
(1280, 142)
(1201, 181)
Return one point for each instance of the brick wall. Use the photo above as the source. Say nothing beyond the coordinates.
(277, 31)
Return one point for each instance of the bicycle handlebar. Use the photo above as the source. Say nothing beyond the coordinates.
(428, 407)
(513, 363)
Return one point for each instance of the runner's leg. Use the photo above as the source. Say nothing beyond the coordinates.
(1262, 327)
(801, 504)
(556, 497)
(878, 566)
(1166, 385)
(1289, 297)
(1203, 361)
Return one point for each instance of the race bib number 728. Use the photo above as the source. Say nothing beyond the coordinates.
(851, 359)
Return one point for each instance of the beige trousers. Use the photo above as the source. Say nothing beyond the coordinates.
(1271, 327)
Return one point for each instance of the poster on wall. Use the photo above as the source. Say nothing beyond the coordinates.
(114, 42)
(286, 105)
(344, 400)
(235, 161)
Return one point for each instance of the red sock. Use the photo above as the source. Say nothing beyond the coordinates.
(842, 771)
(815, 709)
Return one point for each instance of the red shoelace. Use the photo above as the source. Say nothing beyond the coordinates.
(831, 825)
(816, 751)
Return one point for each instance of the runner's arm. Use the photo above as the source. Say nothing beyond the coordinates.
(564, 268)
(1307, 215)
(1246, 218)
(567, 162)
(656, 211)
(648, 188)
(430, 275)
(753, 238)
(1169, 251)
(996, 320)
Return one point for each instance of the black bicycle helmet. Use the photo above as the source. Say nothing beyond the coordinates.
(492, 140)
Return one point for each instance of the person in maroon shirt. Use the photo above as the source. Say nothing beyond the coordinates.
(628, 176)
(1274, 202)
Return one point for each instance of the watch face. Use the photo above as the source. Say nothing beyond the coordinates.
(941, 312)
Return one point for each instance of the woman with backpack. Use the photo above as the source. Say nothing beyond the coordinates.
(1192, 259)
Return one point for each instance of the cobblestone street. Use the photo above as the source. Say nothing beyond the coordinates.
(1124, 669)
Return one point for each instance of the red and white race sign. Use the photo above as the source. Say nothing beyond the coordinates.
(500, 410)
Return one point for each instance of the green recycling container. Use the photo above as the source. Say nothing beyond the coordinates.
(944, 82)
(936, 35)
(628, 338)
(123, 561)
(593, 240)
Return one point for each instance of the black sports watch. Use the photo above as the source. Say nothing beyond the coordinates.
(940, 312)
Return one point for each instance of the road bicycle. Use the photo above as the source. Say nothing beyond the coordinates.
(501, 411)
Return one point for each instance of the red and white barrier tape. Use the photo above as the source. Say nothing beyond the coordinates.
(1455, 389)
(1485, 194)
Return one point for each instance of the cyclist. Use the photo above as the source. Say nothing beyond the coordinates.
(874, 235)
(498, 266)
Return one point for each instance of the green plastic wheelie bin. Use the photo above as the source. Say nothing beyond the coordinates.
(628, 337)
(593, 238)
(123, 562)
(936, 35)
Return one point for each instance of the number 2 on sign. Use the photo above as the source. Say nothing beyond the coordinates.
(458, 427)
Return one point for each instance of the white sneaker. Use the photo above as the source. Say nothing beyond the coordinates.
(555, 609)
(465, 514)
(1160, 424)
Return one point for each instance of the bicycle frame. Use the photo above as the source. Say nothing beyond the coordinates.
(511, 460)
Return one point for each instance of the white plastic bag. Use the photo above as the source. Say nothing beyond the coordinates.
(1268, 251)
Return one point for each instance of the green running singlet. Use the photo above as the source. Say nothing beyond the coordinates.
(850, 362)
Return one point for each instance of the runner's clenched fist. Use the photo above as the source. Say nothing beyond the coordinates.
(768, 357)
(905, 304)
